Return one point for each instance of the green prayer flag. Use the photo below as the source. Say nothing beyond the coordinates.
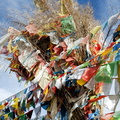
(103, 75)
(32, 103)
(113, 68)
(11, 115)
(24, 105)
(69, 52)
(23, 117)
(116, 115)
(84, 64)
(67, 25)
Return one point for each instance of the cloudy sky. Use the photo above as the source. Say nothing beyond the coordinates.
(9, 85)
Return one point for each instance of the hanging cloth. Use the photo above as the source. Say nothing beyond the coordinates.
(64, 9)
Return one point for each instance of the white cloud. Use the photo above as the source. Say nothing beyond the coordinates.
(4, 94)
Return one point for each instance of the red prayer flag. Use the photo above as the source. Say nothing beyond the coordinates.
(89, 73)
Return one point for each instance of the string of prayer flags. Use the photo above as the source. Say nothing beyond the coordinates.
(17, 107)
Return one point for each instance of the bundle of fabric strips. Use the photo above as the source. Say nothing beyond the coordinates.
(74, 76)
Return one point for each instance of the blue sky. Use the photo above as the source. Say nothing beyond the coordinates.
(103, 9)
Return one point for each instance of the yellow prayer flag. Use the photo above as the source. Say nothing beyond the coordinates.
(1, 107)
(20, 112)
(107, 51)
(28, 105)
(95, 30)
(66, 64)
(94, 103)
(15, 105)
(10, 47)
(48, 109)
(6, 116)
(16, 99)
(16, 118)
(14, 48)
(81, 82)
(92, 97)
(46, 91)
(64, 10)
(100, 52)
(53, 58)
